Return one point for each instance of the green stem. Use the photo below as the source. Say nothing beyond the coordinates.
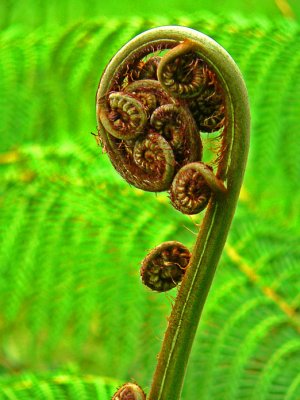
(173, 358)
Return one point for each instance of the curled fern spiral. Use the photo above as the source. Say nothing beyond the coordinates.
(129, 391)
(192, 187)
(165, 265)
(181, 73)
(146, 113)
(155, 99)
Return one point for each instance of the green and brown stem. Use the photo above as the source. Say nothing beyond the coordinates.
(184, 319)
(195, 72)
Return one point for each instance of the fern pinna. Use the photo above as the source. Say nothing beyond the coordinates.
(153, 98)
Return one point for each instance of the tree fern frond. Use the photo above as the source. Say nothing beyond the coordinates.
(60, 223)
(258, 317)
(56, 386)
(272, 374)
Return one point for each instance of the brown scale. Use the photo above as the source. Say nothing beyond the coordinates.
(145, 69)
(147, 99)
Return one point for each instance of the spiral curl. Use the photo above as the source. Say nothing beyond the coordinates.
(165, 266)
(208, 108)
(154, 155)
(181, 73)
(192, 188)
(148, 122)
(126, 116)
(171, 95)
(129, 391)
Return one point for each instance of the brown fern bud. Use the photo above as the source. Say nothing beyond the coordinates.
(192, 188)
(129, 391)
(165, 265)
(208, 107)
(126, 116)
(181, 73)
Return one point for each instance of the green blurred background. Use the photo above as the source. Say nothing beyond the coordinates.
(74, 319)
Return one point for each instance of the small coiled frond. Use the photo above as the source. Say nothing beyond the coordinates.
(129, 391)
(192, 188)
(165, 265)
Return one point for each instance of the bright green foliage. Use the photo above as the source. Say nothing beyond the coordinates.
(72, 233)
(59, 385)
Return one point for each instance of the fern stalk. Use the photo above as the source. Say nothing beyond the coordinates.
(173, 358)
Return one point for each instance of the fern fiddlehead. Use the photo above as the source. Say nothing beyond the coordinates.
(153, 98)
(165, 266)
(129, 391)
